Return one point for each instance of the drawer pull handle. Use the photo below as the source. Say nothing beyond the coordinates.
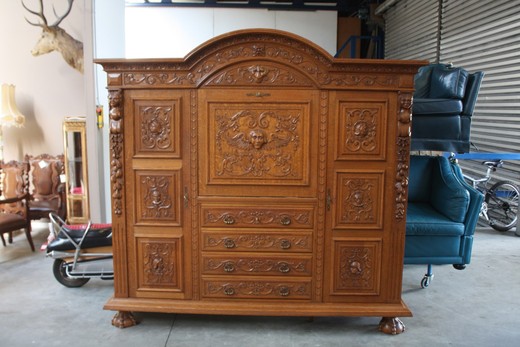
(284, 291)
(285, 220)
(228, 220)
(229, 267)
(229, 291)
(285, 244)
(229, 243)
(284, 268)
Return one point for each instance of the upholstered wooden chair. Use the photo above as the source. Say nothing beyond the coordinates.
(48, 193)
(14, 204)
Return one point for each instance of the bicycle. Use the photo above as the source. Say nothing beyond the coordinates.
(500, 206)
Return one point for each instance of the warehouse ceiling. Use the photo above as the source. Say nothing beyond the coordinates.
(345, 8)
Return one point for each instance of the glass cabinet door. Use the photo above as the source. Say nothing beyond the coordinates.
(74, 136)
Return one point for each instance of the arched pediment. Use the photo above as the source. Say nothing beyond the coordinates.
(259, 57)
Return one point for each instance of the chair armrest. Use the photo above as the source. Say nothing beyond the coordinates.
(472, 90)
(15, 199)
(475, 204)
(448, 195)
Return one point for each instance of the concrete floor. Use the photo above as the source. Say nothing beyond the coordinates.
(475, 307)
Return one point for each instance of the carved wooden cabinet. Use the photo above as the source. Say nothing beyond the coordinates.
(259, 176)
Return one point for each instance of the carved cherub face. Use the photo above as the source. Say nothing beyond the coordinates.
(258, 138)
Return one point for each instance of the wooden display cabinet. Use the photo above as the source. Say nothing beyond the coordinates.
(259, 176)
(75, 144)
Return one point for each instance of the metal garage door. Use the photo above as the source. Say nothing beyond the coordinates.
(411, 30)
(479, 36)
(485, 36)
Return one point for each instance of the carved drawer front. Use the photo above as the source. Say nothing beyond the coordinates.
(359, 198)
(257, 265)
(257, 289)
(257, 242)
(258, 216)
(356, 267)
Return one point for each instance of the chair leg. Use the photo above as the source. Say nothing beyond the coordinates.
(3, 240)
(10, 238)
(428, 276)
(29, 236)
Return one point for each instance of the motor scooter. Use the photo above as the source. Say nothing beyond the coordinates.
(80, 252)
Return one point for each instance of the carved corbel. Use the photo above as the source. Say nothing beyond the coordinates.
(116, 146)
(403, 154)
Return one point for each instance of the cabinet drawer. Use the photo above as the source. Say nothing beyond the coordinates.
(258, 216)
(257, 289)
(257, 265)
(257, 241)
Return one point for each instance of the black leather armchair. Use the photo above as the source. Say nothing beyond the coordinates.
(443, 105)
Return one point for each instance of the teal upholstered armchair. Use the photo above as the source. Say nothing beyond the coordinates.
(442, 214)
(443, 105)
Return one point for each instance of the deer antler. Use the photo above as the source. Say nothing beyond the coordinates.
(58, 21)
(41, 15)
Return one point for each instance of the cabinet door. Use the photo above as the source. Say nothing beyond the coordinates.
(362, 140)
(157, 177)
(258, 143)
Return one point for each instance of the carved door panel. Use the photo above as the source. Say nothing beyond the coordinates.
(359, 191)
(157, 162)
(258, 143)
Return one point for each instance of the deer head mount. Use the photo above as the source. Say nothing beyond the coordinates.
(54, 38)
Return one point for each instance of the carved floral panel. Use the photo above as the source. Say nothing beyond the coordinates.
(361, 130)
(357, 267)
(359, 200)
(259, 143)
(159, 263)
(157, 196)
(157, 128)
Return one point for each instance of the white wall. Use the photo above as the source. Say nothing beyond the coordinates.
(108, 35)
(173, 32)
(47, 89)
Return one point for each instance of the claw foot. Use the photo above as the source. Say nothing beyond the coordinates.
(391, 325)
(123, 319)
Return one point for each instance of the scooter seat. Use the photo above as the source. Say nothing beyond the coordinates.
(96, 237)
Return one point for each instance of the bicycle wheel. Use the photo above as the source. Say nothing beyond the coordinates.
(502, 205)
